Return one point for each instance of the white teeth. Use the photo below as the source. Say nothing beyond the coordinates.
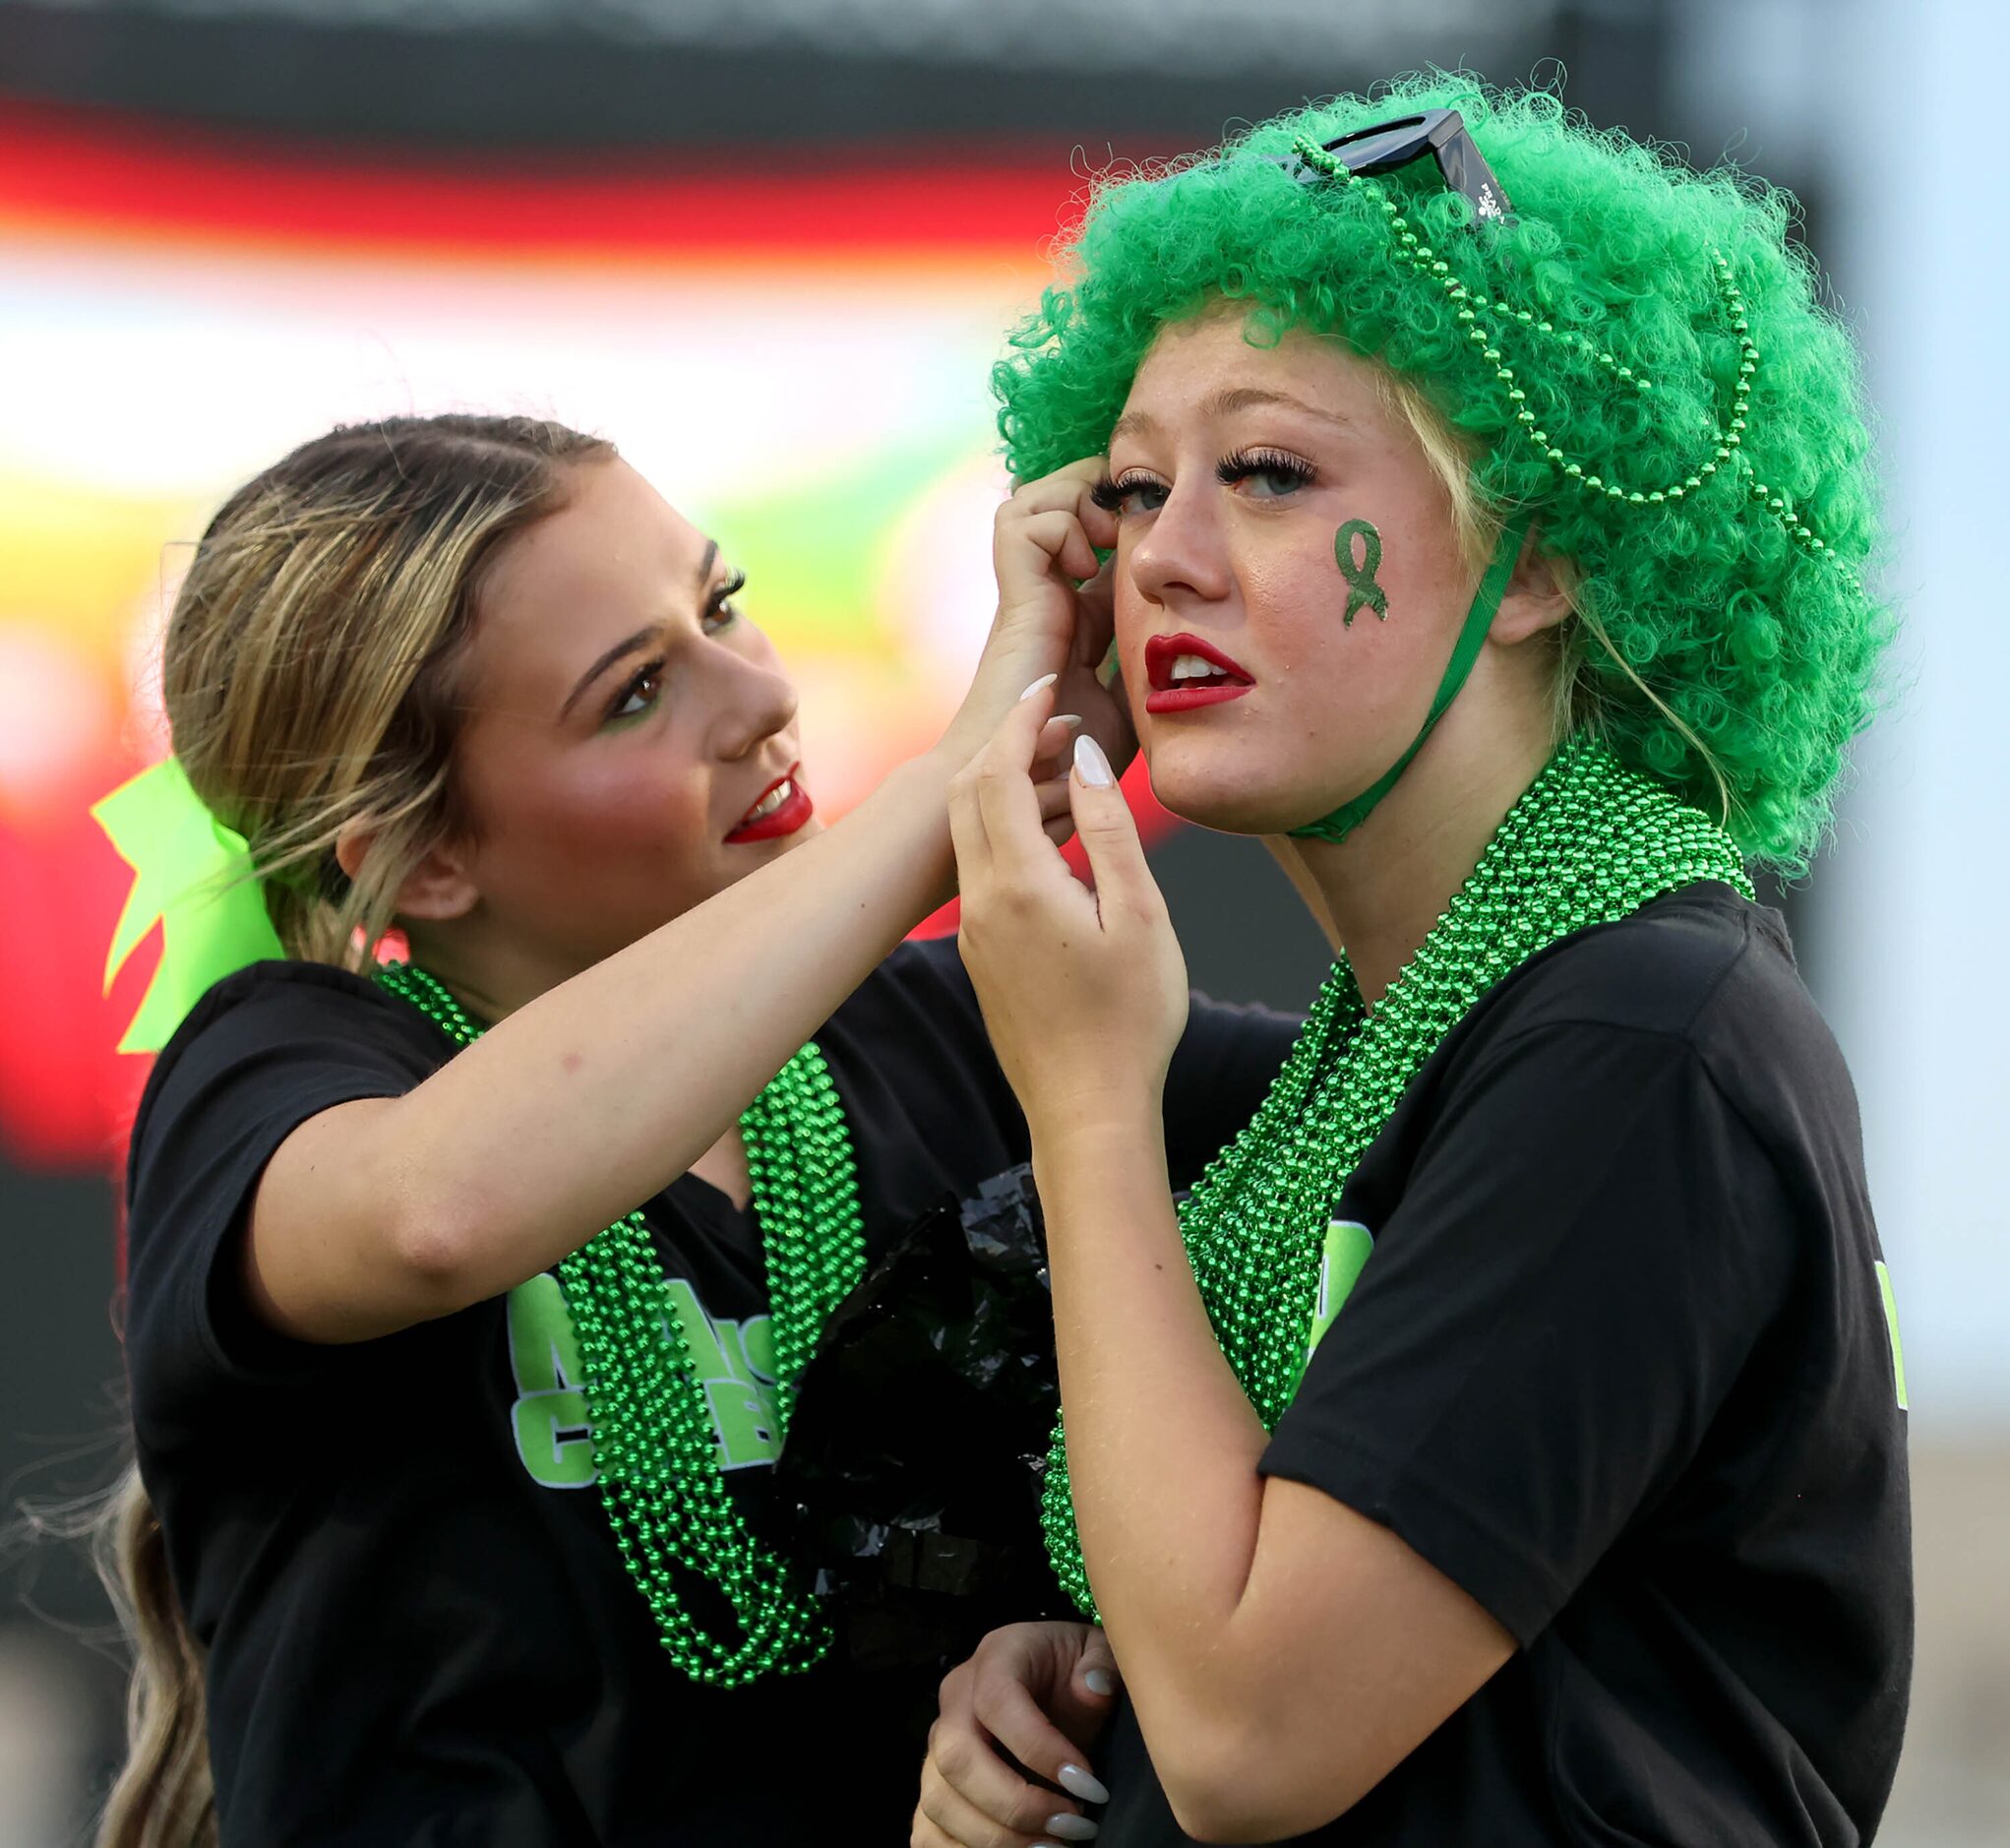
(1192, 667)
(769, 803)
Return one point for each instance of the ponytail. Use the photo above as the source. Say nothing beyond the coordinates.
(163, 1797)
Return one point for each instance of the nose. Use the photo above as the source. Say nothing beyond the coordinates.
(1181, 555)
(750, 700)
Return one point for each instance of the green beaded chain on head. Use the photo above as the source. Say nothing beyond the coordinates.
(1487, 319)
(654, 1443)
(1590, 843)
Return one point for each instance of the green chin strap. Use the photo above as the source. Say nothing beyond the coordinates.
(1479, 619)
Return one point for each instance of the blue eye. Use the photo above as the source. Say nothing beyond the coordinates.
(1132, 494)
(1271, 473)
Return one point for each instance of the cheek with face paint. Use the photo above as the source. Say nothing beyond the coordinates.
(1363, 592)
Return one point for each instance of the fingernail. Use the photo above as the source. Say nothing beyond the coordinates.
(1071, 1828)
(1093, 768)
(1045, 680)
(1078, 1783)
(1066, 718)
(1100, 1681)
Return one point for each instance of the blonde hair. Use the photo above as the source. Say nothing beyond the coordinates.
(311, 670)
(312, 676)
(1579, 703)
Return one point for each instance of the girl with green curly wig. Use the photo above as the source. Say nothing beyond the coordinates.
(1504, 1441)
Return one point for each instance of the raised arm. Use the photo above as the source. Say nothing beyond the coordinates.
(593, 1096)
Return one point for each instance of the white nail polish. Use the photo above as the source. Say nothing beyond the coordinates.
(1045, 680)
(1078, 1783)
(1093, 768)
(1071, 1828)
(1099, 1680)
(1070, 720)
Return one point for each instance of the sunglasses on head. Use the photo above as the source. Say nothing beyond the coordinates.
(1439, 134)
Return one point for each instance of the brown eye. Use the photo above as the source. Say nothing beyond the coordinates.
(720, 609)
(639, 696)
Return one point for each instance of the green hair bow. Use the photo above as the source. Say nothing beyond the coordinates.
(196, 877)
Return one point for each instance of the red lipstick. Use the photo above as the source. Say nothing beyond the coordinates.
(784, 818)
(1224, 681)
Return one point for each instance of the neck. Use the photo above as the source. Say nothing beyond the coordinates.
(1378, 893)
(490, 979)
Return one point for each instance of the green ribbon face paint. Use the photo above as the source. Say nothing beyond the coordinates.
(1472, 637)
(1362, 590)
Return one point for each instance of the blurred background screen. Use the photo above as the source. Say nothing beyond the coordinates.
(771, 247)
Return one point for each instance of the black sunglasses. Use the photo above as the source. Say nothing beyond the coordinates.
(1438, 133)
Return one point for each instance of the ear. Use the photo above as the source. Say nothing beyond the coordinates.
(1535, 598)
(437, 888)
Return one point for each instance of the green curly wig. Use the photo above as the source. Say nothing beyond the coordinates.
(1725, 643)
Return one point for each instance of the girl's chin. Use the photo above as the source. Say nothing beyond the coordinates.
(1234, 810)
(1227, 798)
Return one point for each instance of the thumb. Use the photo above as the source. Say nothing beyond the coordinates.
(1105, 826)
(1095, 1675)
(1095, 623)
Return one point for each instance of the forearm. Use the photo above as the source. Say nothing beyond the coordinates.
(591, 1099)
(1280, 1650)
(1162, 1443)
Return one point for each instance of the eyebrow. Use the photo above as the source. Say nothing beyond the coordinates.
(1224, 403)
(640, 638)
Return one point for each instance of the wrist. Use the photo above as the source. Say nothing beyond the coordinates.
(926, 777)
(919, 790)
(1115, 1122)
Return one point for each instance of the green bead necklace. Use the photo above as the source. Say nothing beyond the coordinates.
(654, 1443)
(1589, 842)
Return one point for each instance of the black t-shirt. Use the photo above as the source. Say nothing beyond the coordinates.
(1619, 1364)
(418, 1628)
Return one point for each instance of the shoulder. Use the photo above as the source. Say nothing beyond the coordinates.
(1703, 966)
(1701, 978)
(279, 1002)
(1662, 970)
(278, 1030)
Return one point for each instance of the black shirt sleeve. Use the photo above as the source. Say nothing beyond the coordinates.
(1589, 1247)
(1219, 1073)
(260, 1054)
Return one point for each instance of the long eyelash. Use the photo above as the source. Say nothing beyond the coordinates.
(735, 582)
(1245, 463)
(1111, 494)
(647, 671)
